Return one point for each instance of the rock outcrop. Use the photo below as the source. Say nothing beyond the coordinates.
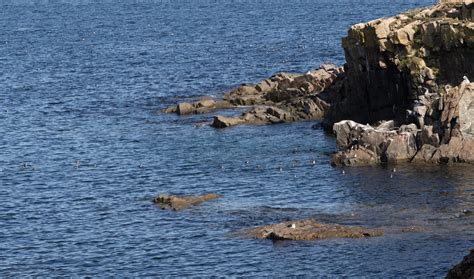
(309, 230)
(411, 72)
(181, 202)
(463, 270)
(281, 98)
(404, 63)
(414, 69)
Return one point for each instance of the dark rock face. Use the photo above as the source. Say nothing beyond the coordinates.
(399, 63)
(463, 270)
(181, 202)
(309, 230)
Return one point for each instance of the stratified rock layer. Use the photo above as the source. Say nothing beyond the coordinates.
(310, 230)
(181, 202)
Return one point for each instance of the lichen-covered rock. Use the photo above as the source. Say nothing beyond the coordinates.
(181, 202)
(309, 230)
(463, 270)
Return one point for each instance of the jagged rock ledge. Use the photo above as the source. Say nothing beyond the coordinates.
(281, 98)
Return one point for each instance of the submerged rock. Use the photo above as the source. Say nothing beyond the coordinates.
(463, 270)
(310, 230)
(181, 202)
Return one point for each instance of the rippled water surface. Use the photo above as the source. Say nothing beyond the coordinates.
(83, 147)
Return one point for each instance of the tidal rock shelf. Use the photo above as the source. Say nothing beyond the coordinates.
(406, 76)
(309, 229)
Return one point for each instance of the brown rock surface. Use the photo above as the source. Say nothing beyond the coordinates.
(181, 202)
(281, 98)
(204, 105)
(224, 122)
(310, 230)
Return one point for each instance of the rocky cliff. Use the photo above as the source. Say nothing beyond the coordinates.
(395, 64)
(413, 68)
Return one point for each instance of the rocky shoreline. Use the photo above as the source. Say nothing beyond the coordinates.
(407, 76)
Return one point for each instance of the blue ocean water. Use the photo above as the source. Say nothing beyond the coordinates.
(84, 148)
